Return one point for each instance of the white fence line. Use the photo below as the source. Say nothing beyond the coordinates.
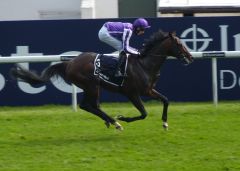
(43, 58)
(198, 55)
(57, 58)
(216, 54)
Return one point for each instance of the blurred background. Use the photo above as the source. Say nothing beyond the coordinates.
(86, 9)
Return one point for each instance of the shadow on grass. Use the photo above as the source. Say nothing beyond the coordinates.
(61, 141)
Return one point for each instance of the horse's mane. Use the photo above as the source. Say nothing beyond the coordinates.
(156, 37)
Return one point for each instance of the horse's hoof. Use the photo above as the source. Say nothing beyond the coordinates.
(165, 126)
(119, 117)
(107, 124)
(118, 126)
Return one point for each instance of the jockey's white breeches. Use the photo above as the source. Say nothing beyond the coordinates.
(104, 36)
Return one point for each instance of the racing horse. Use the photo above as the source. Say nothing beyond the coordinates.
(142, 74)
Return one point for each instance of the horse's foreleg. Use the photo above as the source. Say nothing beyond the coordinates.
(156, 95)
(137, 102)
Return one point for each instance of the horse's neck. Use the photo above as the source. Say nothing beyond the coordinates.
(152, 63)
(154, 58)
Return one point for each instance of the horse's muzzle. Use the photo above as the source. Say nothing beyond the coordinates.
(187, 60)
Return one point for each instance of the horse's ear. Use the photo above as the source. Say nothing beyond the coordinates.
(172, 34)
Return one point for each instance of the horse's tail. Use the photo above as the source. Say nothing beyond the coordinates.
(33, 78)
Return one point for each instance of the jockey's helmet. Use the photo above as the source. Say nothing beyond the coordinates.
(140, 23)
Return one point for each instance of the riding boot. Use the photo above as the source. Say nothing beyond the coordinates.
(118, 73)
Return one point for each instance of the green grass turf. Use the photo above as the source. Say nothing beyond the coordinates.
(54, 138)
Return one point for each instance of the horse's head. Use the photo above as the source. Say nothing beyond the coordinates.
(178, 50)
(166, 44)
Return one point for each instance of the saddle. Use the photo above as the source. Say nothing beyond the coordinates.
(105, 67)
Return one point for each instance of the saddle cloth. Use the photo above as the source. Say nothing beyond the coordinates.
(105, 67)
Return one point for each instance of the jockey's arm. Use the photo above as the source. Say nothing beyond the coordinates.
(127, 33)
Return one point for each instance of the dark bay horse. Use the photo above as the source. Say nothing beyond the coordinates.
(142, 74)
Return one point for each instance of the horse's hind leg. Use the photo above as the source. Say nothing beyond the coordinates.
(90, 103)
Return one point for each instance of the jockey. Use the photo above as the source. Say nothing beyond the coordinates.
(118, 34)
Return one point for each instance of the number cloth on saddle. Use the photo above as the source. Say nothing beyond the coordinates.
(105, 67)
